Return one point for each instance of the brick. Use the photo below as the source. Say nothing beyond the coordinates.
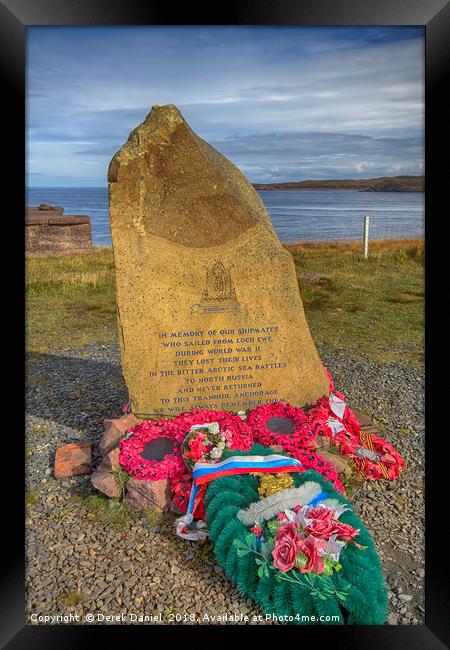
(73, 459)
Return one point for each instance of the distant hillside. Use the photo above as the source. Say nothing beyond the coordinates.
(382, 184)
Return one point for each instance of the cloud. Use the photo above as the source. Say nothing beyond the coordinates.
(252, 91)
(309, 156)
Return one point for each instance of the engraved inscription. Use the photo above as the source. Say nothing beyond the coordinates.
(229, 368)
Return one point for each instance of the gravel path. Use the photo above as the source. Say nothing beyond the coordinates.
(146, 569)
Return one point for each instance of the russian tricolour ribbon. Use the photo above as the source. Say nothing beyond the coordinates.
(204, 473)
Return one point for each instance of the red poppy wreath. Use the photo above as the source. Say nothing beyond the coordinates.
(311, 460)
(374, 457)
(237, 432)
(281, 424)
(152, 449)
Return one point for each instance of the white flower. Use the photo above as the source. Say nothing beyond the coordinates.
(290, 514)
(301, 518)
(338, 510)
(216, 452)
(214, 427)
(333, 548)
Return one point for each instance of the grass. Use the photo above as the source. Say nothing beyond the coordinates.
(70, 300)
(71, 598)
(30, 498)
(112, 512)
(153, 516)
(373, 306)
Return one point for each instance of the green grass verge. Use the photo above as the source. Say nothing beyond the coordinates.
(70, 300)
(72, 598)
(374, 306)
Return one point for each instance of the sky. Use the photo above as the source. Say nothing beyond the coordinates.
(282, 103)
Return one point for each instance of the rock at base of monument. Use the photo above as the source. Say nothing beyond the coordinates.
(73, 459)
(110, 462)
(106, 482)
(143, 494)
(115, 429)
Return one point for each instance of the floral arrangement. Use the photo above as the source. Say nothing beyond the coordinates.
(301, 540)
(181, 484)
(180, 489)
(301, 437)
(205, 443)
(326, 422)
(315, 558)
(312, 460)
(131, 447)
(236, 430)
(373, 457)
(272, 483)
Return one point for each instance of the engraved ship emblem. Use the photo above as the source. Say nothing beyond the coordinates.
(219, 295)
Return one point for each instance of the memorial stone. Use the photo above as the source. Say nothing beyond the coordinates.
(209, 308)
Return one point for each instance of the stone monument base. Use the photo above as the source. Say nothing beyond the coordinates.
(48, 232)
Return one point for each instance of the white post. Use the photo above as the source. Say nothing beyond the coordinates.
(366, 237)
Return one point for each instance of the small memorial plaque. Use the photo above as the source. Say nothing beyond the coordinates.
(158, 448)
(280, 425)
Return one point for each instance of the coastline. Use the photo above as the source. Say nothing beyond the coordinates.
(334, 189)
(380, 184)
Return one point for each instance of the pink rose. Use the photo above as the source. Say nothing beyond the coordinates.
(320, 513)
(312, 548)
(282, 516)
(287, 543)
(322, 528)
(346, 532)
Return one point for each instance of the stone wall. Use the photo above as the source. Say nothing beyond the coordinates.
(48, 231)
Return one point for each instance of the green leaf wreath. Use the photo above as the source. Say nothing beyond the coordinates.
(352, 588)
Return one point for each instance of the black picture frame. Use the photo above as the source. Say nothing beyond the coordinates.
(434, 16)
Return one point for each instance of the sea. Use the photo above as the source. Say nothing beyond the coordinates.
(297, 215)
